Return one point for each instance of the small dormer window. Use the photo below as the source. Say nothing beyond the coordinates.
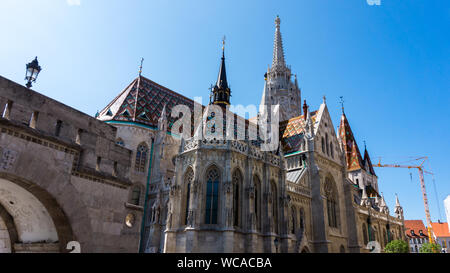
(412, 232)
(421, 232)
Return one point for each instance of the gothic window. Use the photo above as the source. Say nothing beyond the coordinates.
(342, 249)
(212, 196)
(274, 205)
(302, 218)
(141, 157)
(257, 200)
(384, 238)
(136, 195)
(323, 145)
(237, 182)
(331, 149)
(327, 145)
(293, 220)
(332, 210)
(364, 232)
(188, 178)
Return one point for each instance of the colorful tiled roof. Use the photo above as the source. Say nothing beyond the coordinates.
(142, 102)
(440, 229)
(368, 162)
(416, 226)
(291, 132)
(352, 155)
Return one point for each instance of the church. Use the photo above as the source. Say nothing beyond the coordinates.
(314, 193)
(157, 172)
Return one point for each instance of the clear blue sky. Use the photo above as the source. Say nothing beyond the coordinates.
(390, 62)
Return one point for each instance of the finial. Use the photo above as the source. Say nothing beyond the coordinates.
(277, 21)
(324, 99)
(140, 68)
(342, 103)
(223, 45)
(365, 145)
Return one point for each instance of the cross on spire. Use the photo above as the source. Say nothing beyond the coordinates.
(140, 67)
(342, 103)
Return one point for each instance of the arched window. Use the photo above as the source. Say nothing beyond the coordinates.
(141, 158)
(342, 249)
(212, 195)
(257, 185)
(188, 178)
(364, 232)
(323, 145)
(385, 237)
(332, 210)
(237, 182)
(136, 195)
(293, 220)
(274, 205)
(332, 149)
(327, 145)
(302, 218)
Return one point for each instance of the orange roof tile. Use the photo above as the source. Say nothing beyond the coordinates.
(417, 226)
(440, 229)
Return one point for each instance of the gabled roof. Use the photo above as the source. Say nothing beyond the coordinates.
(292, 131)
(368, 163)
(440, 229)
(352, 155)
(142, 102)
(416, 226)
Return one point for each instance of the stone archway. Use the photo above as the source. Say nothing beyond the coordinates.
(32, 219)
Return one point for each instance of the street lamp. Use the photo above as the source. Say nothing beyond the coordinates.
(32, 72)
(276, 242)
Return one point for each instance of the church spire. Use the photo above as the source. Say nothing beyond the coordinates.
(278, 52)
(221, 91)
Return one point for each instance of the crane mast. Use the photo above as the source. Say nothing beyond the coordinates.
(422, 186)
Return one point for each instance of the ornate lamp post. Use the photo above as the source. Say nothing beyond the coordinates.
(32, 72)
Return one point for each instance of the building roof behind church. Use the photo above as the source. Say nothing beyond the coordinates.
(352, 155)
(440, 229)
(416, 226)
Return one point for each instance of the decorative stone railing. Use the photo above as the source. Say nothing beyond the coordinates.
(239, 146)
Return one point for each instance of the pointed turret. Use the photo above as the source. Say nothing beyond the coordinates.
(352, 155)
(383, 206)
(162, 121)
(367, 162)
(398, 208)
(221, 92)
(278, 51)
(364, 198)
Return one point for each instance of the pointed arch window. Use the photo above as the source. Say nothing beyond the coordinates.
(141, 157)
(212, 196)
(332, 207)
(274, 206)
(323, 145)
(188, 178)
(237, 182)
(302, 219)
(257, 200)
(293, 220)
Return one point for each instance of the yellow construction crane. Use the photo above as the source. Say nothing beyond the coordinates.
(422, 185)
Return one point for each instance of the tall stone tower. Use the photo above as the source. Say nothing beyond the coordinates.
(279, 89)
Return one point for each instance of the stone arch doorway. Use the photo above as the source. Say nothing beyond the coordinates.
(31, 219)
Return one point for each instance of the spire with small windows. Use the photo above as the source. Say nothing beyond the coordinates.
(221, 92)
